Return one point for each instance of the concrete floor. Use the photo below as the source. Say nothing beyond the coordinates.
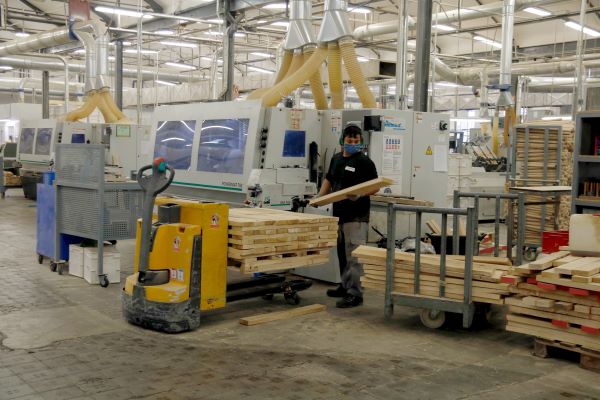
(63, 339)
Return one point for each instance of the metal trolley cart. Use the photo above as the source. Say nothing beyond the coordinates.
(89, 207)
(3, 186)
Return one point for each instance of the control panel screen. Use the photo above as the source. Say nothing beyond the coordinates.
(43, 141)
(78, 138)
(174, 142)
(26, 140)
(222, 145)
(294, 144)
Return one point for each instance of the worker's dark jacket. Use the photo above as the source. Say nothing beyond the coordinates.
(349, 171)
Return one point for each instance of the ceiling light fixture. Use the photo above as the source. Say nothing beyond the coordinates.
(262, 70)
(441, 27)
(21, 34)
(79, 51)
(214, 21)
(122, 11)
(143, 51)
(205, 58)
(360, 10)
(275, 6)
(585, 29)
(179, 44)
(284, 24)
(537, 11)
(165, 32)
(180, 65)
(362, 59)
(488, 41)
(166, 83)
(259, 54)
(5, 68)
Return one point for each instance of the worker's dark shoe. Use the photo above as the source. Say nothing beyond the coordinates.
(337, 292)
(349, 301)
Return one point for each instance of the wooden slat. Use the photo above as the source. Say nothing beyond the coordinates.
(280, 315)
(360, 189)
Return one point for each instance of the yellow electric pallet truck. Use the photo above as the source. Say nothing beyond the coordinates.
(181, 261)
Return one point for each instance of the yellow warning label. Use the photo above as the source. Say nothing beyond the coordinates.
(428, 152)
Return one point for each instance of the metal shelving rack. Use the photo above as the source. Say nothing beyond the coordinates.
(89, 207)
(586, 165)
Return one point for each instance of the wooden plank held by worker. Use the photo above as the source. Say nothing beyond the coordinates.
(360, 189)
(279, 315)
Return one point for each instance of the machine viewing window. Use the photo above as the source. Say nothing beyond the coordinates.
(26, 140)
(43, 141)
(174, 142)
(222, 145)
(294, 144)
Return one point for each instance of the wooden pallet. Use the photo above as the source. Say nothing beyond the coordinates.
(262, 240)
(588, 359)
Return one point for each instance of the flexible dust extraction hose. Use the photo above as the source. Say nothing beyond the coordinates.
(291, 82)
(355, 73)
(316, 85)
(334, 68)
(107, 113)
(285, 66)
(121, 118)
(295, 62)
(86, 108)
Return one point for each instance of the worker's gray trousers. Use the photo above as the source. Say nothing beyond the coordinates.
(350, 236)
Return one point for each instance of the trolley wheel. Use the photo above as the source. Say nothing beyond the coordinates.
(292, 298)
(530, 254)
(52, 266)
(60, 268)
(113, 242)
(268, 296)
(40, 259)
(433, 319)
(104, 281)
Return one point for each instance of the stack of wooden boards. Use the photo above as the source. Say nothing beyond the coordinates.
(557, 298)
(361, 189)
(263, 239)
(530, 161)
(487, 274)
(11, 179)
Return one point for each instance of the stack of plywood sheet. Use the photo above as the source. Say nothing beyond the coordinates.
(487, 273)
(262, 239)
(530, 163)
(557, 298)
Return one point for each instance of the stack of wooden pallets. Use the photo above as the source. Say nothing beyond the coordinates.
(262, 239)
(557, 300)
(487, 273)
(530, 162)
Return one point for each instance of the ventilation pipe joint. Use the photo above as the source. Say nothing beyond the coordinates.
(300, 32)
(94, 36)
(335, 25)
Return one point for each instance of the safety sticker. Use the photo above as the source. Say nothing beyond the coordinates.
(176, 243)
(180, 275)
(428, 152)
(214, 222)
(173, 274)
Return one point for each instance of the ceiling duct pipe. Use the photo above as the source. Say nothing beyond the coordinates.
(421, 97)
(37, 42)
(508, 24)
(445, 17)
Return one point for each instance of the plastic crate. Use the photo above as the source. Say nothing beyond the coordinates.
(48, 177)
(552, 240)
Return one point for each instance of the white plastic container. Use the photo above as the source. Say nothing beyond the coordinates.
(111, 266)
(76, 260)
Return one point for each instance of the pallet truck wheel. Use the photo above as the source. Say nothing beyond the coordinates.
(268, 297)
(40, 259)
(432, 319)
(60, 268)
(53, 266)
(104, 281)
(292, 298)
(530, 254)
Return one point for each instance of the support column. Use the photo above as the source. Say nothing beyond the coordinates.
(119, 74)
(401, 54)
(579, 72)
(45, 94)
(424, 12)
(228, 51)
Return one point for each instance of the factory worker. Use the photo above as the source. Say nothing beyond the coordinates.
(348, 168)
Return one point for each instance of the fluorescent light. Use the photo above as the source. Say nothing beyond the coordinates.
(111, 58)
(143, 51)
(285, 24)
(446, 28)
(214, 21)
(359, 10)
(557, 118)
(165, 32)
(5, 68)
(537, 11)
(275, 6)
(262, 70)
(447, 84)
(219, 61)
(180, 65)
(586, 30)
(21, 34)
(125, 43)
(165, 83)
(259, 54)
(488, 41)
(179, 44)
(362, 59)
(79, 51)
(217, 33)
(122, 11)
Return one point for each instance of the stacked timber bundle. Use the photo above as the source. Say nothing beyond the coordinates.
(530, 164)
(487, 274)
(557, 299)
(11, 179)
(262, 239)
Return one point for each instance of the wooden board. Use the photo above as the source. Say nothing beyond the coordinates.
(360, 189)
(546, 261)
(280, 315)
(400, 200)
(543, 189)
(593, 287)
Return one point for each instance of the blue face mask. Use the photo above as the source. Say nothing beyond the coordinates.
(352, 148)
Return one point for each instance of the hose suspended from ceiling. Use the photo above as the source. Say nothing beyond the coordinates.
(316, 85)
(336, 85)
(356, 76)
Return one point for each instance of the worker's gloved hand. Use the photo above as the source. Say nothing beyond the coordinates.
(354, 197)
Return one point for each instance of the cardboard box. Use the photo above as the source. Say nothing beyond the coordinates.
(111, 265)
(76, 260)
